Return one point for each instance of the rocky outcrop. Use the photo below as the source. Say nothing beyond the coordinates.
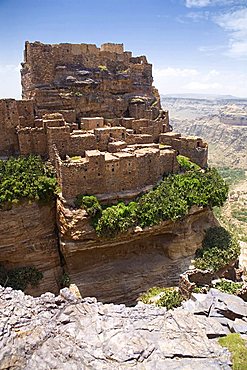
(28, 238)
(82, 80)
(121, 268)
(226, 312)
(65, 333)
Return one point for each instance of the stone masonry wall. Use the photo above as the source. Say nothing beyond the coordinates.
(110, 173)
(192, 147)
(9, 120)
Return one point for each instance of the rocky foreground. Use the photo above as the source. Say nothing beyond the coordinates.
(63, 332)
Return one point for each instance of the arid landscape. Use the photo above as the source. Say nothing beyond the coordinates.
(123, 185)
(209, 117)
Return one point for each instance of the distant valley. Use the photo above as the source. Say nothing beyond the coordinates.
(220, 120)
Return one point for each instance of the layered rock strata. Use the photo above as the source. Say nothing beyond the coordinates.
(82, 80)
(94, 113)
(28, 238)
(119, 269)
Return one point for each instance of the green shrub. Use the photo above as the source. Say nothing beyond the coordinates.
(25, 178)
(228, 286)
(218, 249)
(168, 297)
(90, 203)
(151, 293)
(200, 289)
(185, 164)
(216, 236)
(237, 346)
(170, 200)
(19, 278)
(65, 280)
(117, 219)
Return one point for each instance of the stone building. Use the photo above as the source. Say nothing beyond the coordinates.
(96, 115)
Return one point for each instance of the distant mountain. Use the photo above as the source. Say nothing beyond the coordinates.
(201, 96)
(202, 117)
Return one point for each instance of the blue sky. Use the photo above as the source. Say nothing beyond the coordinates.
(195, 46)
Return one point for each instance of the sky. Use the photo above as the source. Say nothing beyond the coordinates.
(195, 46)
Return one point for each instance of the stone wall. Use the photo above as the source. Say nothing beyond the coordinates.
(9, 120)
(192, 147)
(114, 174)
(32, 141)
(28, 238)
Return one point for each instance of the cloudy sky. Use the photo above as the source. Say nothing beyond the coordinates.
(196, 46)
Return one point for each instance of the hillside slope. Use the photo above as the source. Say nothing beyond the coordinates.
(201, 117)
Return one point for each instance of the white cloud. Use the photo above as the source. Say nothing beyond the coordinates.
(210, 82)
(235, 23)
(10, 78)
(202, 86)
(198, 16)
(197, 3)
(175, 72)
(212, 74)
(204, 3)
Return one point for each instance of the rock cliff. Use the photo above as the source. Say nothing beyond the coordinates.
(28, 238)
(119, 269)
(82, 80)
(94, 113)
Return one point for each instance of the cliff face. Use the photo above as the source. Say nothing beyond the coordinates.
(227, 141)
(106, 135)
(113, 270)
(118, 270)
(81, 80)
(28, 238)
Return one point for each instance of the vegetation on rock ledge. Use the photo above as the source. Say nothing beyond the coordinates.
(163, 297)
(19, 278)
(25, 178)
(170, 200)
(219, 248)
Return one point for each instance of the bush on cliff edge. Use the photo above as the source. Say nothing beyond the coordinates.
(25, 178)
(170, 200)
(219, 248)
